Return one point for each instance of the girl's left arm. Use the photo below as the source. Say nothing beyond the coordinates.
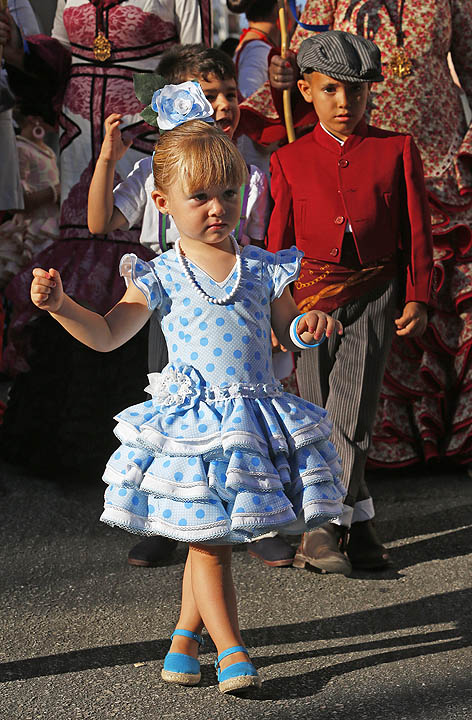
(310, 328)
(98, 332)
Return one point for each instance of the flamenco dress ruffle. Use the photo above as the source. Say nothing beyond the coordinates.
(200, 469)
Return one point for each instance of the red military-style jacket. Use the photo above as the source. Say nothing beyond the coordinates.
(375, 180)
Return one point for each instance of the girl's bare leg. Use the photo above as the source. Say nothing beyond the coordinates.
(215, 597)
(189, 618)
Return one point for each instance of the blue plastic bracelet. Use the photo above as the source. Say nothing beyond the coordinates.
(296, 338)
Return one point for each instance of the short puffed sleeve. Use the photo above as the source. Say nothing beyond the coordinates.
(281, 269)
(143, 275)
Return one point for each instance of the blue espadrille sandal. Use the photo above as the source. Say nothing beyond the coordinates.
(239, 676)
(180, 668)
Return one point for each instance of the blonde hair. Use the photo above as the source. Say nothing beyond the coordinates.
(199, 155)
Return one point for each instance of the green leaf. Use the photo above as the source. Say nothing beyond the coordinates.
(149, 115)
(146, 84)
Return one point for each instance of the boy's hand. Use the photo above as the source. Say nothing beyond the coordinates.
(276, 345)
(46, 289)
(315, 324)
(283, 72)
(413, 320)
(113, 147)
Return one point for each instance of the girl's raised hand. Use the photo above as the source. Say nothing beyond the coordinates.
(315, 323)
(113, 146)
(46, 289)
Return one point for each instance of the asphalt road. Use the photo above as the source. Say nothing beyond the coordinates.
(84, 634)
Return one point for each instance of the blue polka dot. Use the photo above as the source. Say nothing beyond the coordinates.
(166, 463)
(256, 500)
(258, 314)
(178, 476)
(178, 287)
(229, 289)
(186, 301)
(182, 521)
(151, 509)
(202, 428)
(200, 414)
(279, 493)
(238, 454)
(170, 420)
(167, 513)
(122, 492)
(264, 301)
(203, 325)
(217, 352)
(187, 338)
(200, 514)
(174, 348)
(241, 321)
(169, 277)
(134, 414)
(247, 303)
(203, 341)
(220, 518)
(247, 366)
(197, 311)
(227, 337)
(249, 285)
(257, 355)
(246, 339)
(193, 356)
(255, 461)
(273, 428)
(130, 454)
(269, 508)
(237, 420)
(117, 455)
(230, 307)
(237, 354)
(153, 295)
(147, 416)
(230, 370)
(173, 388)
(184, 321)
(197, 477)
(135, 500)
(139, 267)
(192, 461)
(171, 326)
(188, 504)
(210, 367)
(241, 510)
(259, 332)
(220, 321)
(181, 334)
(259, 376)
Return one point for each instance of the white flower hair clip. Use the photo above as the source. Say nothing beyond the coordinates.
(176, 104)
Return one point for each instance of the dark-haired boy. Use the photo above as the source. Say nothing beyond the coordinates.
(352, 197)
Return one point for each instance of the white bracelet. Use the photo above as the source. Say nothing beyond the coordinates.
(297, 340)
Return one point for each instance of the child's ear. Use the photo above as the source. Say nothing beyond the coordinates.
(160, 201)
(305, 89)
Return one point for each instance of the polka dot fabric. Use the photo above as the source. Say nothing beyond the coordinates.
(219, 453)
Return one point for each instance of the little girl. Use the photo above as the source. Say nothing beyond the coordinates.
(220, 454)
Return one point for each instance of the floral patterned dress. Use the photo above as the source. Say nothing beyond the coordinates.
(425, 411)
(63, 374)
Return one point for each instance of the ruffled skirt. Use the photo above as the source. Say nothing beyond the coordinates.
(223, 470)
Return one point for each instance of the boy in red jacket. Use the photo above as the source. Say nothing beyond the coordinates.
(352, 197)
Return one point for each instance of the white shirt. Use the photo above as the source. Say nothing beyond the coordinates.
(133, 199)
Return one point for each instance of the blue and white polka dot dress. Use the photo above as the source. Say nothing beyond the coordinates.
(220, 454)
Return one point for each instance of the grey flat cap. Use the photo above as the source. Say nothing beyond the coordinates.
(341, 55)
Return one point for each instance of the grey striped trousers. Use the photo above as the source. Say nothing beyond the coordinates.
(344, 375)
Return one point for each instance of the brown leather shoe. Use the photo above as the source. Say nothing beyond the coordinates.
(364, 548)
(273, 551)
(323, 549)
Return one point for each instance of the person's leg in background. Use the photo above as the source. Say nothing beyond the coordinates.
(344, 375)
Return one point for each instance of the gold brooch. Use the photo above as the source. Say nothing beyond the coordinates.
(400, 64)
(101, 47)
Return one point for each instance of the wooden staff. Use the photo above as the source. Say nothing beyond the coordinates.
(286, 93)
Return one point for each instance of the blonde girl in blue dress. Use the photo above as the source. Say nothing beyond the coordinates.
(220, 454)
